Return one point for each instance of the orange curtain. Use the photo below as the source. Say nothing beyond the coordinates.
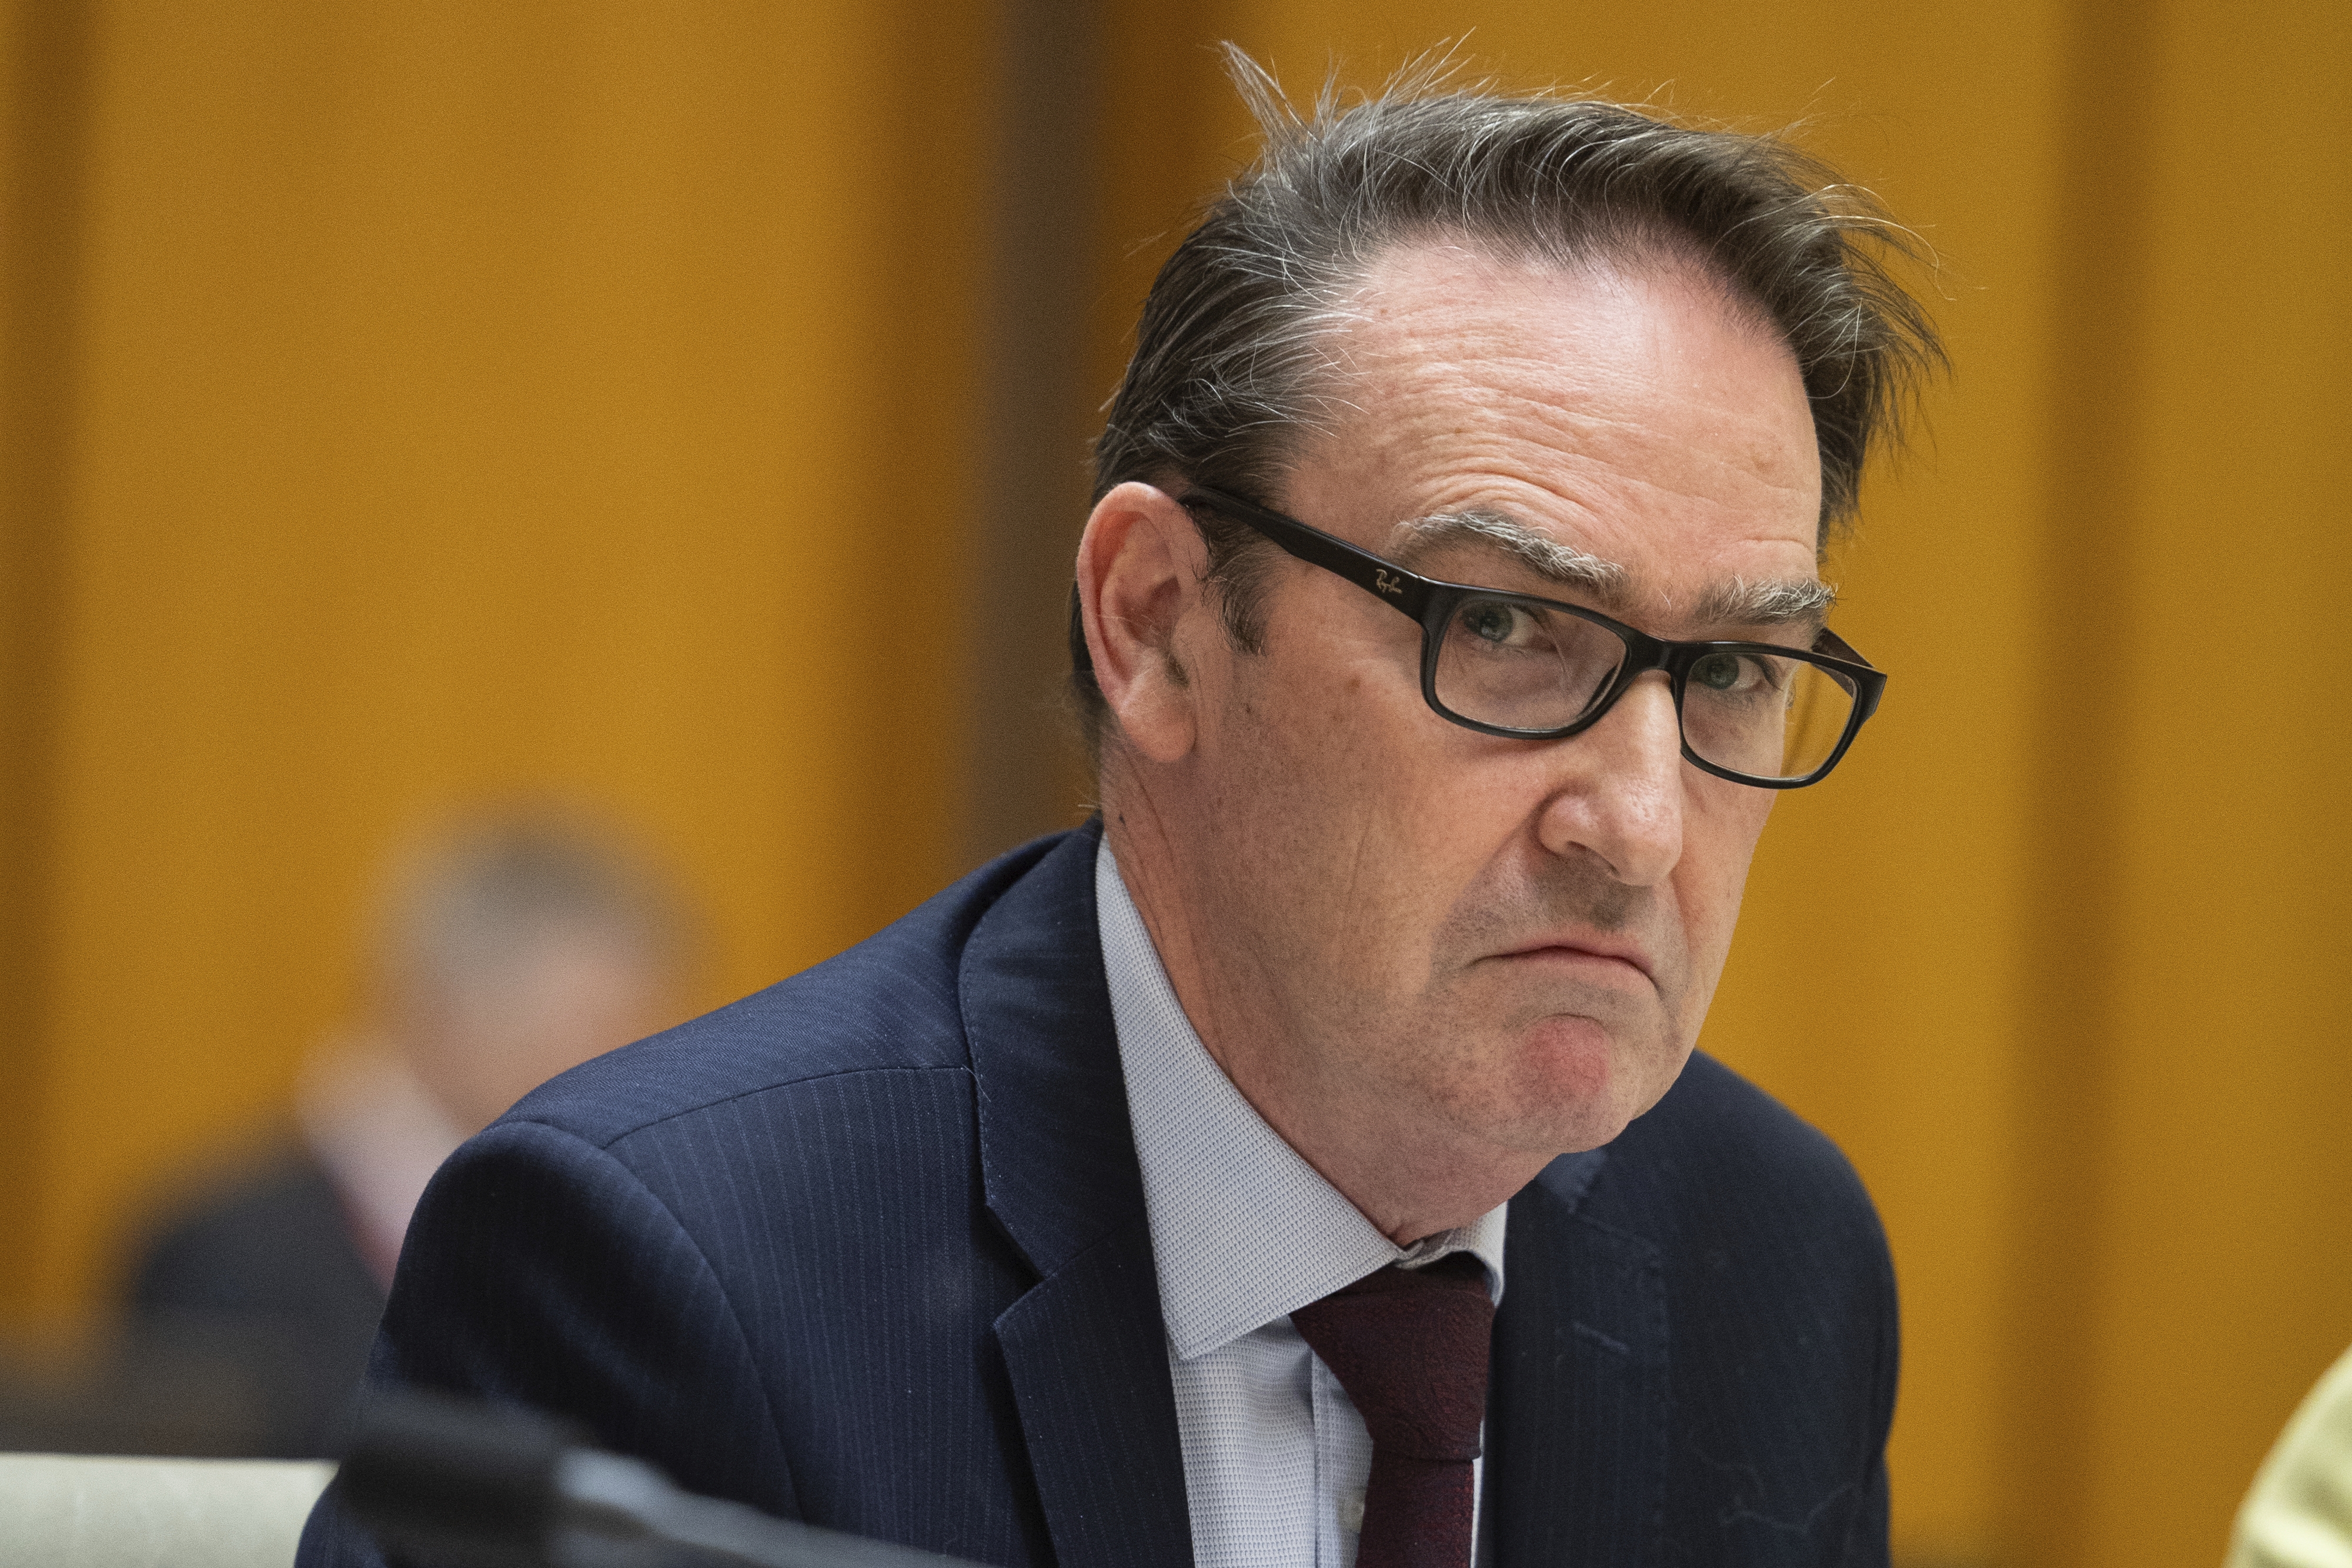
(449, 400)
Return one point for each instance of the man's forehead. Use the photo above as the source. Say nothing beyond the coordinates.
(1417, 292)
(1628, 430)
(1654, 325)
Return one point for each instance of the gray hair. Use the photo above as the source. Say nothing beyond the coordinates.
(469, 907)
(1232, 353)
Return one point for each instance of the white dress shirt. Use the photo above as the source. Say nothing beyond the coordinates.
(1243, 1231)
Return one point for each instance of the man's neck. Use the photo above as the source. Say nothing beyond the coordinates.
(1409, 1181)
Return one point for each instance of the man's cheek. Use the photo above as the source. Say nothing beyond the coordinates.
(1714, 882)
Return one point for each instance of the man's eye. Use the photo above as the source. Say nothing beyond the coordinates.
(1491, 622)
(1725, 673)
(1504, 625)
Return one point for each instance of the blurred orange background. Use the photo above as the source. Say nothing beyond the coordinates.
(683, 408)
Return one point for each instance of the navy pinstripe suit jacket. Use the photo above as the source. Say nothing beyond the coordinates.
(869, 1249)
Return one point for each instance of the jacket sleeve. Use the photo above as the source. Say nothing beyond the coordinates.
(1866, 1542)
(539, 1270)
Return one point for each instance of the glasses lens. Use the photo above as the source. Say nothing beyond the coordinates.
(1524, 665)
(1767, 716)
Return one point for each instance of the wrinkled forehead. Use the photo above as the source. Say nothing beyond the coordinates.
(1639, 415)
(1439, 330)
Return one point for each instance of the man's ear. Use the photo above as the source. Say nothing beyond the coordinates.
(1140, 567)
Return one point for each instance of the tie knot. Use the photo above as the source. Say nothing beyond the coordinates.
(1411, 1347)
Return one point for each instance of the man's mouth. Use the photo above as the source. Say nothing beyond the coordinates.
(1596, 956)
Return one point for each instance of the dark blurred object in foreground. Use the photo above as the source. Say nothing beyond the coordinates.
(512, 947)
(476, 1486)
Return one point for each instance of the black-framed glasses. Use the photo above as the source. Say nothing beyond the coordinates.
(1534, 669)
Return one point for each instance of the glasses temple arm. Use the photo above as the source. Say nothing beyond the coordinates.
(1407, 591)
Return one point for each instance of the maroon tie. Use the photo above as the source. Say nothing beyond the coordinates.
(1410, 1346)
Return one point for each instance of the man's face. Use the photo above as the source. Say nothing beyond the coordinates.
(1419, 928)
(567, 993)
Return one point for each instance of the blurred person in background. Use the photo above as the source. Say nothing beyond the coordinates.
(513, 947)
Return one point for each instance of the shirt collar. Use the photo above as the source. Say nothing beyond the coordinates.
(1243, 1230)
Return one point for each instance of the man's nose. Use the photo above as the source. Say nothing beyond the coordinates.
(1620, 796)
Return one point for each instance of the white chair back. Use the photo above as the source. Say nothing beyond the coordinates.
(59, 1511)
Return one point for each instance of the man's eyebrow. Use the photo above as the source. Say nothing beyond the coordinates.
(1546, 557)
(1791, 602)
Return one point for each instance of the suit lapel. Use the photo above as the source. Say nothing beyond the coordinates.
(1085, 1348)
(1576, 1418)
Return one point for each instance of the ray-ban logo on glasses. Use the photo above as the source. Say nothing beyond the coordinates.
(1388, 581)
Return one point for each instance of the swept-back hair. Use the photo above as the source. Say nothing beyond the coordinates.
(1231, 365)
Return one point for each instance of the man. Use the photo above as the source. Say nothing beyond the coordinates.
(515, 945)
(1169, 1190)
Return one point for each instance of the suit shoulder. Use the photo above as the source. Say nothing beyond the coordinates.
(887, 1005)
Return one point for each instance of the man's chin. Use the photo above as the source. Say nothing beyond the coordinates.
(1576, 1085)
